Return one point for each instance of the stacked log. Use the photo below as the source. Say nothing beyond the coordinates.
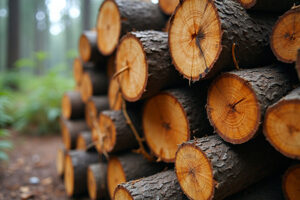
(134, 115)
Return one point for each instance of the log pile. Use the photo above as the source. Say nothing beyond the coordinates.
(208, 109)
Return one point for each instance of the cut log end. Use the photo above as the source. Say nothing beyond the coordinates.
(282, 128)
(108, 130)
(95, 138)
(122, 194)
(195, 44)
(60, 161)
(233, 109)
(194, 172)
(132, 67)
(69, 176)
(86, 88)
(85, 48)
(247, 3)
(90, 113)
(115, 175)
(108, 27)
(81, 143)
(66, 106)
(92, 184)
(66, 136)
(114, 95)
(168, 6)
(77, 70)
(291, 183)
(285, 38)
(165, 126)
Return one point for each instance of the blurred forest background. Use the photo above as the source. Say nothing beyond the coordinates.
(38, 42)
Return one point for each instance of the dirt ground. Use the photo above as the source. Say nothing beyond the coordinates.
(31, 173)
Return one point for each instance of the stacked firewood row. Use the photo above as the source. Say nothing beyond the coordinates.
(202, 104)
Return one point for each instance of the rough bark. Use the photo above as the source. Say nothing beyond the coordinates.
(13, 33)
(95, 56)
(71, 130)
(125, 138)
(77, 105)
(99, 172)
(161, 73)
(236, 167)
(80, 162)
(249, 32)
(163, 185)
(94, 106)
(269, 188)
(268, 83)
(80, 67)
(298, 64)
(100, 102)
(277, 6)
(84, 141)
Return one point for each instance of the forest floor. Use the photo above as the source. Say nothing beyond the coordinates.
(31, 172)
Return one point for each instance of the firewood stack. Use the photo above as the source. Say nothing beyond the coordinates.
(206, 110)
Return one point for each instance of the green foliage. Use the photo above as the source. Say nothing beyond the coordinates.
(34, 100)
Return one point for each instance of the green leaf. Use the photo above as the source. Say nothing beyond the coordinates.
(4, 132)
(3, 156)
(25, 62)
(41, 55)
(5, 144)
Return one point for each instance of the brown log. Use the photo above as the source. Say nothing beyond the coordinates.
(269, 188)
(173, 117)
(163, 185)
(168, 6)
(96, 180)
(237, 100)
(203, 34)
(210, 168)
(291, 183)
(117, 134)
(88, 48)
(60, 161)
(127, 167)
(116, 18)
(93, 84)
(111, 67)
(282, 127)
(76, 165)
(298, 64)
(285, 37)
(79, 67)
(84, 141)
(94, 106)
(276, 6)
(147, 63)
(70, 130)
(72, 106)
(114, 95)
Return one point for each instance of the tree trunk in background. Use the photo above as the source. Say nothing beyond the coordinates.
(86, 15)
(13, 33)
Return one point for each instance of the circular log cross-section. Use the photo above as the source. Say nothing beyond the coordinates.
(128, 167)
(76, 165)
(94, 106)
(237, 100)
(291, 183)
(84, 140)
(285, 38)
(171, 118)
(282, 127)
(116, 132)
(79, 67)
(114, 95)
(168, 6)
(116, 18)
(203, 32)
(60, 161)
(93, 84)
(70, 130)
(277, 6)
(72, 105)
(144, 65)
(96, 179)
(209, 168)
(88, 48)
(163, 185)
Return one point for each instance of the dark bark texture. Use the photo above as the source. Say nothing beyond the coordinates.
(96, 57)
(100, 172)
(77, 105)
(161, 72)
(276, 6)
(136, 166)
(74, 127)
(101, 103)
(237, 167)
(125, 138)
(87, 137)
(81, 160)
(163, 185)
(99, 83)
(298, 64)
